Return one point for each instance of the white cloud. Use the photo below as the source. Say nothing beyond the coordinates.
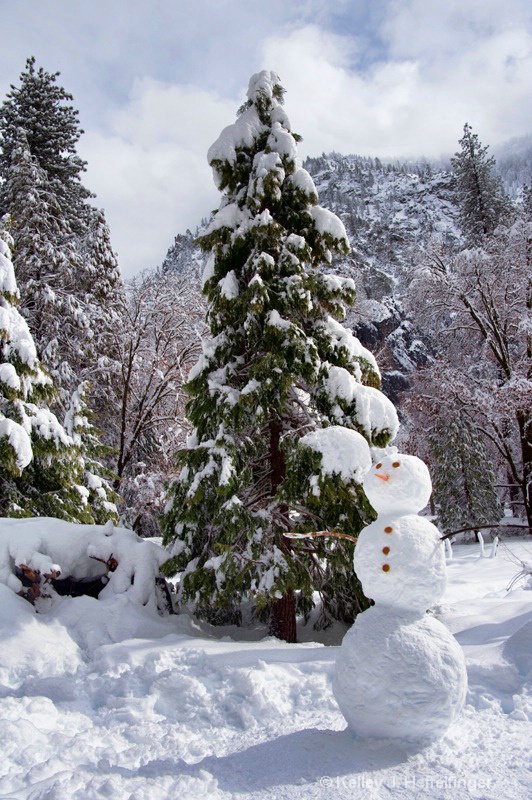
(436, 31)
(149, 170)
(149, 165)
(415, 102)
(155, 84)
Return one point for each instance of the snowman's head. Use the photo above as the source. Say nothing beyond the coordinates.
(398, 484)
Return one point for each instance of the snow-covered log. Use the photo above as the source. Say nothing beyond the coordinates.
(39, 554)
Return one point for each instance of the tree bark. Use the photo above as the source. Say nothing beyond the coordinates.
(283, 617)
(283, 613)
(525, 434)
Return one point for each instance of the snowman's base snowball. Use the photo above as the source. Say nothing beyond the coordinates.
(399, 676)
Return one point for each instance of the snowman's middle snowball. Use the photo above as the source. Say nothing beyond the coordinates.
(400, 562)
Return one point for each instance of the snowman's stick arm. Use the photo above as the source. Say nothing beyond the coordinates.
(316, 534)
(483, 527)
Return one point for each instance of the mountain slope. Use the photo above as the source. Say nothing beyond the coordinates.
(392, 212)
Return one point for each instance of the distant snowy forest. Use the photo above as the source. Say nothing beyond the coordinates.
(98, 405)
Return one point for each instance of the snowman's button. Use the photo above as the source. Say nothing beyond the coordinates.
(388, 529)
(385, 567)
(385, 550)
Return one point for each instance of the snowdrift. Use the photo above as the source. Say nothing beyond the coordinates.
(106, 698)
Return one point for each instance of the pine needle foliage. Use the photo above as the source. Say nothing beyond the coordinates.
(464, 482)
(41, 466)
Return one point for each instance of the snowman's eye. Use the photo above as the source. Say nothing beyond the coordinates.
(378, 466)
(396, 464)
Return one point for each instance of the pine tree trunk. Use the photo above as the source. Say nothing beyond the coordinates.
(283, 613)
(283, 618)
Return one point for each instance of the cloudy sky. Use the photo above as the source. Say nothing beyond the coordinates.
(156, 80)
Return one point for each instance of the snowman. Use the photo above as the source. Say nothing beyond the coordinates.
(399, 673)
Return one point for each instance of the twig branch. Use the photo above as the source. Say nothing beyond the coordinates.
(483, 527)
(315, 534)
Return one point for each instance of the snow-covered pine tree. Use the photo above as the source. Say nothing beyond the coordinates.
(96, 491)
(101, 291)
(46, 261)
(464, 483)
(284, 398)
(41, 109)
(101, 279)
(40, 474)
(483, 204)
(63, 259)
(526, 208)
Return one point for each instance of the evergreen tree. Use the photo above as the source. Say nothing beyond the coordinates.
(63, 258)
(102, 295)
(40, 473)
(280, 387)
(47, 262)
(464, 482)
(67, 273)
(483, 204)
(101, 279)
(41, 110)
(96, 491)
(527, 202)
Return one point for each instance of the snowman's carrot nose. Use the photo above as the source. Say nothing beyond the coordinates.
(382, 477)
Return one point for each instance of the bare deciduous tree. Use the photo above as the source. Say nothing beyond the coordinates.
(162, 319)
(476, 307)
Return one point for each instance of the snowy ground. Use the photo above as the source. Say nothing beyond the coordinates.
(101, 698)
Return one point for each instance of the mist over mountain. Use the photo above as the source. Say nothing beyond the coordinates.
(514, 164)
